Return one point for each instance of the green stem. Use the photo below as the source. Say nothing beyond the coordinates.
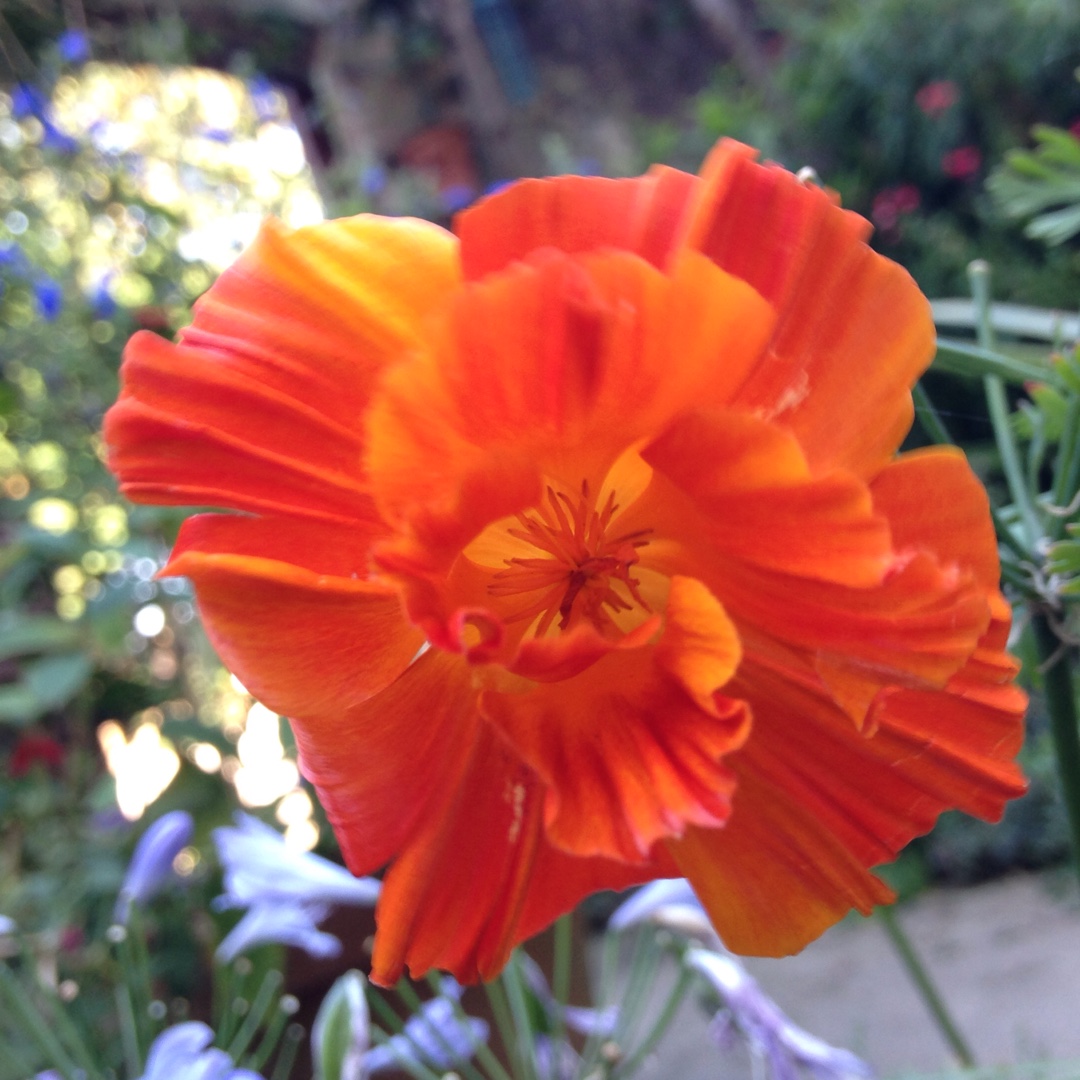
(926, 988)
(129, 1037)
(16, 1000)
(261, 1054)
(1067, 464)
(998, 405)
(606, 990)
(560, 973)
(524, 1036)
(663, 1022)
(1061, 705)
(294, 1036)
(929, 417)
(264, 1000)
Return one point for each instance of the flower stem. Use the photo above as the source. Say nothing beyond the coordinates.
(33, 1024)
(560, 971)
(524, 1036)
(294, 1036)
(662, 1023)
(932, 999)
(262, 1004)
(1061, 705)
(998, 405)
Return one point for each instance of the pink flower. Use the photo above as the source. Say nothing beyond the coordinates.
(890, 203)
(962, 163)
(937, 97)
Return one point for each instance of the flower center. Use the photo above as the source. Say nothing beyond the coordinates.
(572, 570)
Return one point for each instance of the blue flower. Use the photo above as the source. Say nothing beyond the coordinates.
(48, 298)
(73, 46)
(27, 100)
(151, 865)
(770, 1035)
(669, 902)
(437, 1036)
(281, 922)
(259, 868)
(183, 1052)
(288, 893)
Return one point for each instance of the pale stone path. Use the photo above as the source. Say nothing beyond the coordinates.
(1006, 956)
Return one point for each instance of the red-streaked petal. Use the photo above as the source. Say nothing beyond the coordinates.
(817, 802)
(383, 769)
(477, 876)
(575, 214)
(751, 498)
(626, 754)
(289, 611)
(556, 367)
(854, 332)
(260, 406)
(935, 503)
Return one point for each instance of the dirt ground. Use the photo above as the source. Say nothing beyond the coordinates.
(1006, 957)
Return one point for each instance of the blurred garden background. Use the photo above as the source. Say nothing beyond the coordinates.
(141, 143)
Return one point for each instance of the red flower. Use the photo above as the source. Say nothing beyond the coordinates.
(937, 97)
(32, 750)
(577, 548)
(891, 203)
(962, 163)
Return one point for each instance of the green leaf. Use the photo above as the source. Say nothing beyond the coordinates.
(18, 704)
(963, 358)
(55, 680)
(22, 635)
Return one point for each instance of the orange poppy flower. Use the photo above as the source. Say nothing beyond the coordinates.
(577, 549)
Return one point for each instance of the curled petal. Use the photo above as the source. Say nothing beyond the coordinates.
(260, 406)
(627, 755)
(576, 214)
(854, 332)
(819, 802)
(287, 607)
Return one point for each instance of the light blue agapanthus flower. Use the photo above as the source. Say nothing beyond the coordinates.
(437, 1036)
(151, 866)
(183, 1052)
(287, 893)
(748, 1011)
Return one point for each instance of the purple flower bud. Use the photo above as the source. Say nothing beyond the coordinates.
(151, 865)
(73, 46)
(259, 868)
(183, 1052)
(48, 298)
(436, 1036)
(768, 1032)
(280, 922)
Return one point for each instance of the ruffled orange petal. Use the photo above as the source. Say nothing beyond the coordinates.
(384, 768)
(854, 332)
(817, 803)
(260, 406)
(954, 524)
(575, 214)
(630, 752)
(288, 607)
(477, 876)
(750, 497)
(555, 367)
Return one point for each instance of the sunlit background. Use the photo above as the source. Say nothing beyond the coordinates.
(166, 177)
